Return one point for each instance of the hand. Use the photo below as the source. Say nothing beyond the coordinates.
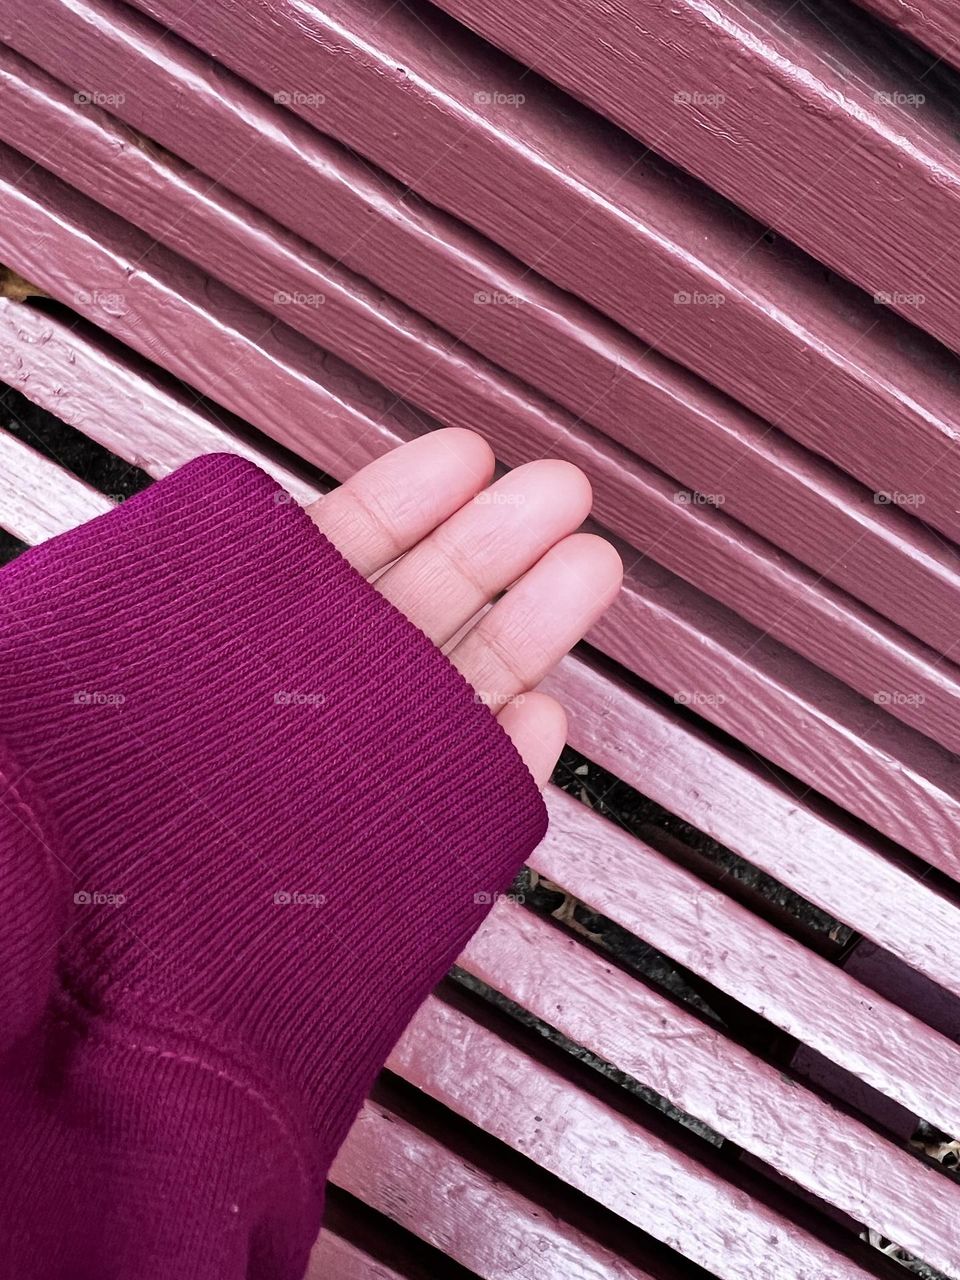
(442, 543)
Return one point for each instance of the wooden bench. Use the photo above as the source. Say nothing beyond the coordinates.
(308, 232)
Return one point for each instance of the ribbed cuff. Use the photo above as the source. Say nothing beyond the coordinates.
(283, 810)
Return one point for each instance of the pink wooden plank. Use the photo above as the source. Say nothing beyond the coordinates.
(630, 1026)
(438, 111)
(194, 327)
(417, 361)
(333, 1256)
(592, 367)
(934, 23)
(788, 711)
(795, 989)
(114, 400)
(775, 118)
(729, 794)
(462, 1210)
(606, 1156)
(37, 497)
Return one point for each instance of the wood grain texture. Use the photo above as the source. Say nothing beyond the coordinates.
(210, 336)
(38, 498)
(600, 1152)
(334, 1256)
(845, 746)
(934, 23)
(596, 214)
(630, 1026)
(202, 332)
(708, 933)
(726, 791)
(419, 362)
(461, 1209)
(422, 256)
(777, 115)
(107, 394)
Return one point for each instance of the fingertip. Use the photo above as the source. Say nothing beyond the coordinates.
(598, 558)
(565, 479)
(537, 725)
(470, 450)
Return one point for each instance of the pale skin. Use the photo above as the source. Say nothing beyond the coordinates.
(442, 540)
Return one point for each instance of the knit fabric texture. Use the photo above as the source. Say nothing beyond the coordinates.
(250, 817)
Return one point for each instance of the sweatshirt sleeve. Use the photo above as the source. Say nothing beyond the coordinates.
(250, 817)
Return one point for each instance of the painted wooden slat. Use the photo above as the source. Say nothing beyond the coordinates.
(417, 361)
(769, 112)
(702, 929)
(605, 1155)
(202, 332)
(589, 365)
(460, 1209)
(788, 711)
(102, 391)
(595, 214)
(728, 793)
(660, 1045)
(38, 498)
(934, 23)
(332, 1256)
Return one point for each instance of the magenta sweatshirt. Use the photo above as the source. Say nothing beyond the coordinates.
(250, 815)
